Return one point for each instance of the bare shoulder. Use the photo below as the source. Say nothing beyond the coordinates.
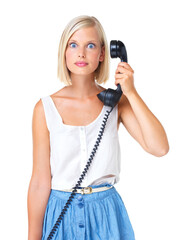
(38, 110)
(38, 120)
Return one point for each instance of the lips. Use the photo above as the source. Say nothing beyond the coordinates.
(81, 64)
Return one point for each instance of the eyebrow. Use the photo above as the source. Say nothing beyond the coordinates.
(87, 41)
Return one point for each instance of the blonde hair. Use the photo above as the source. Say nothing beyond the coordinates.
(102, 71)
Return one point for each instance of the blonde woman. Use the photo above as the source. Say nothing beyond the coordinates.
(65, 127)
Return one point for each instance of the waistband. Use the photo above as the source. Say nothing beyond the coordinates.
(88, 190)
(64, 195)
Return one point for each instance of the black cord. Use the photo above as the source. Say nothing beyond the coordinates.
(56, 225)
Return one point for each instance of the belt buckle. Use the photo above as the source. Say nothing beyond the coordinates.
(86, 190)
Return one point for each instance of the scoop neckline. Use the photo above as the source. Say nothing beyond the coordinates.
(74, 126)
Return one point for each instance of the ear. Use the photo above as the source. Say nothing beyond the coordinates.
(102, 55)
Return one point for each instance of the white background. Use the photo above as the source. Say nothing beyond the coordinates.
(30, 34)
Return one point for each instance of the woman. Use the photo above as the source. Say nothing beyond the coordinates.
(65, 128)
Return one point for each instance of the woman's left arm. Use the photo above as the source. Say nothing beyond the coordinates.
(136, 116)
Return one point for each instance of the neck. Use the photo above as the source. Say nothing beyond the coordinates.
(83, 87)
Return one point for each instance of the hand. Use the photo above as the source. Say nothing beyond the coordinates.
(124, 76)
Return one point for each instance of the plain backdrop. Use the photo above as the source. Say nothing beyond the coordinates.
(30, 34)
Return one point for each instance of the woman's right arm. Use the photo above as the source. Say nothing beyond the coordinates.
(40, 183)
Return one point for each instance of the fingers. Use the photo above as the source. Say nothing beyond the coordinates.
(121, 70)
(119, 78)
(124, 67)
(119, 75)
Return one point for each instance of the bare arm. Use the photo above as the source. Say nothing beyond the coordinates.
(136, 116)
(40, 183)
(143, 126)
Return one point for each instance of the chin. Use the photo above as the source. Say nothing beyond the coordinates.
(82, 72)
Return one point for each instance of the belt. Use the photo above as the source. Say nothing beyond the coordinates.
(88, 190)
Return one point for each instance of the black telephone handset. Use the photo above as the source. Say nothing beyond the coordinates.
(110, 97)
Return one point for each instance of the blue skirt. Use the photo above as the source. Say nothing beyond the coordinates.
(96, 216)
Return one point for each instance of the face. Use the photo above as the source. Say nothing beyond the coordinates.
(84, 51)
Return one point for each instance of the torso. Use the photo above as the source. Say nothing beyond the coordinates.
(78, 112)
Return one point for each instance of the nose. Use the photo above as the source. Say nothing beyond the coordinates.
(81, 52)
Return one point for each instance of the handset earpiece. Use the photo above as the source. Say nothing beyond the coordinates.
(110, 97)
(117, 49)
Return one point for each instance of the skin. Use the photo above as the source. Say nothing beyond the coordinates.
(78, 105)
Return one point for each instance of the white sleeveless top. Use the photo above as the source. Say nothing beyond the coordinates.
(71, 147)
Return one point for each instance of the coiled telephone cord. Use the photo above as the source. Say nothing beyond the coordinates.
(56, 225)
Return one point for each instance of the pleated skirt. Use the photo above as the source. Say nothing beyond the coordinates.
(96, 216)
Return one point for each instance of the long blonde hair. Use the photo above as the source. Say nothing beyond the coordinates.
(102, 72)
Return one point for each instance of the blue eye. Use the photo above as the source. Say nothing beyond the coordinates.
(91, 45)
(73, 45)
